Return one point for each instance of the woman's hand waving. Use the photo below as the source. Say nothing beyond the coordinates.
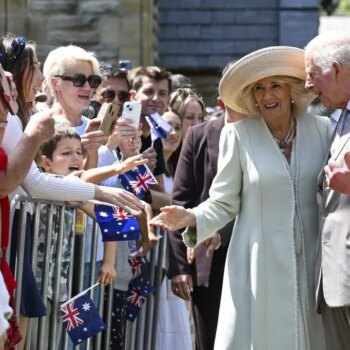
(174, 217)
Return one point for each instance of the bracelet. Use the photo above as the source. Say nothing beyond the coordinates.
(3, 124)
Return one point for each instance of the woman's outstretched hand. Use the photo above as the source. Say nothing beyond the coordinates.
(174, 217)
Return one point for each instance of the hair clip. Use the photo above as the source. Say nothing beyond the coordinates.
(18, 44)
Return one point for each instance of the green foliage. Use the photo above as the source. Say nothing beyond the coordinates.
(343, 7)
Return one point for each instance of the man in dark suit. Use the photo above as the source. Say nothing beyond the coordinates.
(201, 281)
(327, 63)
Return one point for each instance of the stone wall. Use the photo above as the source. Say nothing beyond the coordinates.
(206, 34)
(199, 37)
(114, 29)
(196, 37)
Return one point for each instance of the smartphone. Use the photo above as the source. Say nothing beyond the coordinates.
(5, 92)
(132, 111)
(125, 64)
(92, 109)
(108, 114)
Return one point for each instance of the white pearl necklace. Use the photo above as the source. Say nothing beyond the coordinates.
(283, 144)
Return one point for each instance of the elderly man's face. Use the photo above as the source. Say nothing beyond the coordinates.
(325, 85)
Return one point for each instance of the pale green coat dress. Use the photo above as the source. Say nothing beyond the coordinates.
(268, 295)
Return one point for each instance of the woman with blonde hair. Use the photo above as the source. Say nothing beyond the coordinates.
(72, 74)
(19, 56)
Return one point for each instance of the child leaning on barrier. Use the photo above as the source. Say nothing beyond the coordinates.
(62, 155)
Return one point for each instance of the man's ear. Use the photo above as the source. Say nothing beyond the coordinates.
(46, 163)
(339, 70)
(132, 94)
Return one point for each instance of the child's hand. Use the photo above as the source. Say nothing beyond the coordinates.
(130, 164)
(146, 244)
(153, 239)
(108, 274)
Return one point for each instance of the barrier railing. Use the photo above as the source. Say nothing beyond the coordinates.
(47, 332)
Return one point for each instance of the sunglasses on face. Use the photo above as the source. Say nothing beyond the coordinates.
(110, 94)
(79, 80)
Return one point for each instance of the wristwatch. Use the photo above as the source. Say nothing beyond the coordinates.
(3, 124)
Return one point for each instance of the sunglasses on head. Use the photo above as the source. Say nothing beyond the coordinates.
(79, 80)
(110, 94)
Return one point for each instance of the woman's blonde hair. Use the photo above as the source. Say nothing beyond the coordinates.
(180, 98)
(301, 97)
(61, 59)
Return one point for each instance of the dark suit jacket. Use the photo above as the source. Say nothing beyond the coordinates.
(195, 172)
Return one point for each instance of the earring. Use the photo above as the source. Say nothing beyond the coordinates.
(256, 105)
(292, 102)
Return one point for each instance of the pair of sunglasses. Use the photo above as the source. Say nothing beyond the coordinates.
(110, 94)
(79, 80)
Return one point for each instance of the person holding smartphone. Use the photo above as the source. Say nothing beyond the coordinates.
(19, 57)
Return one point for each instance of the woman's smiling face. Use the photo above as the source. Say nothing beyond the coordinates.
(173, 139)
(32, 80)
(272, 97)
(72, 97)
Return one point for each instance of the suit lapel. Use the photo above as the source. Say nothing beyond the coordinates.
(340, 148)
(321, 175)
(327, 193)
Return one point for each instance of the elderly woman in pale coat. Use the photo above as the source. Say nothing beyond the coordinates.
(268, 167)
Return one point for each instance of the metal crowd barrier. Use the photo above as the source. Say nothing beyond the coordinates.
(140, 335)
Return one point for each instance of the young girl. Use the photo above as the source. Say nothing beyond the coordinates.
(189, 106)
(173, 329)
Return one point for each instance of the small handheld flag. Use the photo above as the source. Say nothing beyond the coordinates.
(116, 224)
(81, 319)
(160, 127)
(138, 180)
(135, 299)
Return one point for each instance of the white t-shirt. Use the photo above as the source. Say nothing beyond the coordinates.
(38, 184)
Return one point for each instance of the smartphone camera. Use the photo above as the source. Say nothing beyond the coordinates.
(125, 64)
(92, 109)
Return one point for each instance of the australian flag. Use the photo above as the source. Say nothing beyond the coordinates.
(138, 180)
(116, 224)
(160, 128)
(136, 296)
(136, 265)
(81, 319)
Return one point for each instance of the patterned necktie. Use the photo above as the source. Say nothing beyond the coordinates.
(343, 122)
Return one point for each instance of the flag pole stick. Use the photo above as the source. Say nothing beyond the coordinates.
(80, 294)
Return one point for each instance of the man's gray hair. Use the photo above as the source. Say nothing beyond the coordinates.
(330, 47)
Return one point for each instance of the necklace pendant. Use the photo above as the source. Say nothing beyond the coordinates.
(282, 145)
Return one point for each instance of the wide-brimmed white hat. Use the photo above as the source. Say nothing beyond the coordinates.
(260, 64)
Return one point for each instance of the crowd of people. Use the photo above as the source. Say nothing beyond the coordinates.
(252, 200)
